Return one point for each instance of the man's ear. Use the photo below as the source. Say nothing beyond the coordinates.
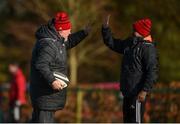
(137, 34)
(60, 32)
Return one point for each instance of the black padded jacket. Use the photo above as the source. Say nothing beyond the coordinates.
(139, 63)
(50, 54)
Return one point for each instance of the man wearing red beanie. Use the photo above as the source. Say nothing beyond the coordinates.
(48, 77)
(139, 67)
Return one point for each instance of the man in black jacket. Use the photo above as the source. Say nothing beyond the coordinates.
(50, 55)
(139, 66)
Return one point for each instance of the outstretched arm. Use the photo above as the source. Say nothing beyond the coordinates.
(116, 45)
(75, 39)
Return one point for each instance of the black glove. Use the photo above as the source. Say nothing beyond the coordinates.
(106, 21)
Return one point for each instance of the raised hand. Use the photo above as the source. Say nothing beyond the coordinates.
(106, 21)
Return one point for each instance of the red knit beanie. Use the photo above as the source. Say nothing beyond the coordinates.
(143, 27)
(62, 21)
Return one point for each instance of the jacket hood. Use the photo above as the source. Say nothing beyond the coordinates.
(47, 31)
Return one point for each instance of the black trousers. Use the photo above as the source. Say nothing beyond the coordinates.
(42, 116)
(133, 110)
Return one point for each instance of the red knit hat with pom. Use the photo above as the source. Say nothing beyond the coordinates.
(143, 26)
(62, 21)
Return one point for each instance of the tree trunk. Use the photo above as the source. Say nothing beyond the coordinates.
(73, 67)
(73, 54)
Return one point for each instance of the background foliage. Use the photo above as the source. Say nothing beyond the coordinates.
(91, 60)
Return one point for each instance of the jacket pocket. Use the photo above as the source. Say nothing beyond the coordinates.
(53, 101)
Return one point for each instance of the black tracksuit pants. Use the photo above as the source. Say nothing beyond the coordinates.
(42, 116)
(133, 110)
